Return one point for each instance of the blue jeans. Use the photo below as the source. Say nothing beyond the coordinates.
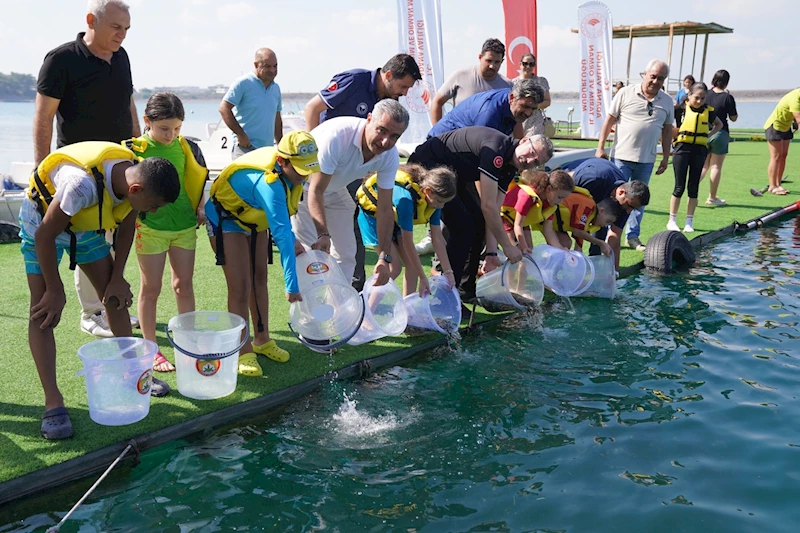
(635, 171)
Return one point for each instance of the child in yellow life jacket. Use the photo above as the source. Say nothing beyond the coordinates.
(579, 216)
(257, 192)
(691, 148)
(171, 231)
(75, 194)
(531, 204)
(418, 197)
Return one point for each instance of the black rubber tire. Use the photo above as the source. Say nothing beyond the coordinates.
(9, 232)
(668, 251)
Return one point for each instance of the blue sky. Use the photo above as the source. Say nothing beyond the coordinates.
(206, 42)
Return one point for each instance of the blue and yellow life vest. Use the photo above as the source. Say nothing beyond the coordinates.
(89, 156)
(248, 217)
(195, 172)
(367, 197)
(695, 126)
(536, 216)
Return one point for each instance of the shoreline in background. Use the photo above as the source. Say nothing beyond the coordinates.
(743, 95)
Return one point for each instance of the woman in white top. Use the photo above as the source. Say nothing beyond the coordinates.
(534, 125)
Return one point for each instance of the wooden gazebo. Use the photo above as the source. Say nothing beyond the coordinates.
(671, 30)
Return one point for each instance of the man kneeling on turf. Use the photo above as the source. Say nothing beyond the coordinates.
(75, 194)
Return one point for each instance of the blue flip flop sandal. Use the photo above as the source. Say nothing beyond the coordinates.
(56, 424)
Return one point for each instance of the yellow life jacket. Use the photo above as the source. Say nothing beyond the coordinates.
(90, 156)
(367, 196)
(695, 126)
(195, 173)
(564, 212)
(231, 204)
(536, 216)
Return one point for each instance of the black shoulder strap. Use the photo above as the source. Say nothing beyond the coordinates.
(100, 183)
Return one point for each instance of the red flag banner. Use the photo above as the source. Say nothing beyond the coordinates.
(520, 17)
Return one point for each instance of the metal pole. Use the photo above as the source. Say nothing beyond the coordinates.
(669, 54)
(694, 53)
(630, 47)
(680, 69)
(703, 65)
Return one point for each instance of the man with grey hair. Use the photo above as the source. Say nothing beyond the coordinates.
(87, 85)
(502, 109)
(642, 114)
(252, 106)
(350, 149)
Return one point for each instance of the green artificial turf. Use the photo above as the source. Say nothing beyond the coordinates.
(21, 399)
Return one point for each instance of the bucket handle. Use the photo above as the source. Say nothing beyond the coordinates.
(245, 338)
(330, 348)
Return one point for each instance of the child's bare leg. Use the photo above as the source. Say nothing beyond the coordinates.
(151, 270)
(181, 262)
(260, 296)
(43, 348)
(237, 276)
(99, 273)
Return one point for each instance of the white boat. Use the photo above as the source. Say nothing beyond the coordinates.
(219, 144)
(11, 199)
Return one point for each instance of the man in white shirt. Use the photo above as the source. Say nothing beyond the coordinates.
(351, 149)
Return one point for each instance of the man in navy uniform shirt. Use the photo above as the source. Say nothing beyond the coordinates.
(501, 109)
(603, 179)
(353, 93)
(485, 162)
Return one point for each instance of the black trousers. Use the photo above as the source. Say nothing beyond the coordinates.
(688, 159)
(359, 274)
(464, 220)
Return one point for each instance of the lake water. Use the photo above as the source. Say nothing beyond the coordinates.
(672, 408)
(16, 122)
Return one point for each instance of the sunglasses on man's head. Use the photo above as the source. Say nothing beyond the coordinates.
(528, 64)
(650, 109)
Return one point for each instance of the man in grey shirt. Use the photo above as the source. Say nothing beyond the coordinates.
(643, 114)
(464, 83)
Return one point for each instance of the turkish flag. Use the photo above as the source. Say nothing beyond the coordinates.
(520, 16)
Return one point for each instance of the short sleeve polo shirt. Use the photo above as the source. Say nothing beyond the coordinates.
(600, 177)
(341, 157)
(491, 109)
(469, 152)
(255, 107)
(95, 95)
(352, 93)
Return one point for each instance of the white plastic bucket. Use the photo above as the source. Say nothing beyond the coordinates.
(119, 378)
(385, 314)
(439, 311)
(331, 307)
(604, 284)
(207, 345)
(588, 277)
(563, 271)
(511, 287)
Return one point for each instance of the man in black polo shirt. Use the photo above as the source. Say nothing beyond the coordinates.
(485, 161)
(86, 84)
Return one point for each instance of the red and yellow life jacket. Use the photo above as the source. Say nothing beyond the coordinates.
(536, 216)
(579, 204)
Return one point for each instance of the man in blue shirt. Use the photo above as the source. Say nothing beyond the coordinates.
(501, 109)
(256, 97)
(353, 93)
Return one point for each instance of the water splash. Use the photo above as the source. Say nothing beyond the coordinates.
(355, 428)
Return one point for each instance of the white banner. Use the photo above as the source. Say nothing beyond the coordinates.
(595, 26)
(421, 37)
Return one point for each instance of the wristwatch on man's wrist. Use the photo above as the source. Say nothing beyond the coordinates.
(386, 257)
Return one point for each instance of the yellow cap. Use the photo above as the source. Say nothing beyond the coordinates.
(300, 149)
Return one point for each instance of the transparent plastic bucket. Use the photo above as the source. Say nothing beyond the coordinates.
(588, 277)
(440, 311)
(331, 308)
(511, 287)
(604, 284)
(119, 378)
(563, 271)
(385, 314)
(207, 345)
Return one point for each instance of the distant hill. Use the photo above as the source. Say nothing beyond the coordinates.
(743, 95)
(16, 87)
